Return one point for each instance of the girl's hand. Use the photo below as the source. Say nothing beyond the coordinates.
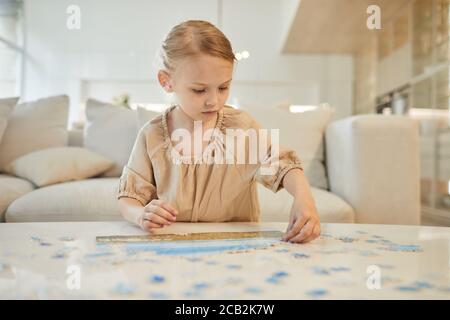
(304, 224)
(157, 214)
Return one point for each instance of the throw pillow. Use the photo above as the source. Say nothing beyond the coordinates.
(110, 131)
(304, 133)
(33, 126)
(56, 165)
(6, 106)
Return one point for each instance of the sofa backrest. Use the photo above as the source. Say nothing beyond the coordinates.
(75, 138)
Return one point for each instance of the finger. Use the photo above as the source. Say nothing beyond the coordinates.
(314, 234)
(151, 225)
(148, 225)
(158, 203)
(163, 213)
(147, 216)
(166, 206)
(158, 219)
(289, 227)
(304, 233)
(298, 225)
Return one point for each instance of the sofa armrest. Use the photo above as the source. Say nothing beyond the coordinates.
(373, 162)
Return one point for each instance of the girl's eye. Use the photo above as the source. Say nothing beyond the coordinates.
(200, 91)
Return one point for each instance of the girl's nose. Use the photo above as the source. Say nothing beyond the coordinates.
(212, 100)
(210, 104)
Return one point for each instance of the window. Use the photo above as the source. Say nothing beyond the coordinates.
(11, 48)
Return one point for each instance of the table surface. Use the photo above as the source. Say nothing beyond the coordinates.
(348, 261)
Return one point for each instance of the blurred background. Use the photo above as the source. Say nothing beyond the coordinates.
(292, 54)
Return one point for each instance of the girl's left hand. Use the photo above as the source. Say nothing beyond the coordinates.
(304, 224)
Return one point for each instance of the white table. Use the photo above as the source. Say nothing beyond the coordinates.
(62, 260)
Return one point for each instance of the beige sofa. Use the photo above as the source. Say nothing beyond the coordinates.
(372, 166)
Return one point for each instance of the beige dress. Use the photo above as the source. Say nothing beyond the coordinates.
(201, 192)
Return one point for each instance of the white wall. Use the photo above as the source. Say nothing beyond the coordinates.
(115, 48)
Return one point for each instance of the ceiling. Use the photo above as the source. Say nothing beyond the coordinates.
(335, 26)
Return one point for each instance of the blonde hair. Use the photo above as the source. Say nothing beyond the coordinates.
(191, 38)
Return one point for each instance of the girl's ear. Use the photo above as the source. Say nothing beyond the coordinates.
(165, 80)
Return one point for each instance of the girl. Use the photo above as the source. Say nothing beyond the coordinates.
(163, 183)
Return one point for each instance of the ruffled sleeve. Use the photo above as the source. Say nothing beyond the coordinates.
(278, 160)
(137, 180)
(272, 171)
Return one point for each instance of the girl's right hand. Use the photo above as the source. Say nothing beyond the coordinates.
(157, 214)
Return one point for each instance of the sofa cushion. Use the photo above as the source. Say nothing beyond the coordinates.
(95, 200)
(33, 126)
(86, 200)
(110, 131)
(304, 133)
(56, 165)
(11, 188)
(275, 207)
(144, 116)
(6, 107)
(75, 138)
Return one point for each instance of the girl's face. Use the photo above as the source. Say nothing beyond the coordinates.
(201, 84)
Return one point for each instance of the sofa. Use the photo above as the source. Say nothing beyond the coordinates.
(370, 163)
